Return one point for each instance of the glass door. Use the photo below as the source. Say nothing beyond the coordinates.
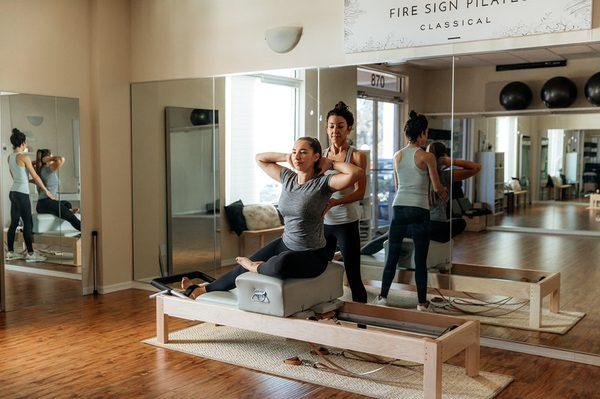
(378, 133)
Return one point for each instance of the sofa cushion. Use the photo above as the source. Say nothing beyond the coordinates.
(261, 217)
(235, 217)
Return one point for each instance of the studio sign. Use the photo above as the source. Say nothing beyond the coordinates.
(388, 24)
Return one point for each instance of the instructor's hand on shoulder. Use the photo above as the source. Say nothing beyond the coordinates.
(324, 165)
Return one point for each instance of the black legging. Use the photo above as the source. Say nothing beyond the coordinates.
(280, 262)
(20, 208)
(61, 209)
(440, 231)
(347, 237)
(410, 222)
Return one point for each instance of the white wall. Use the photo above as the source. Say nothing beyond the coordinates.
(191, 38)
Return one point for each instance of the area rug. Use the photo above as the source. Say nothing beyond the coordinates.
(556, 323)
(266, 353)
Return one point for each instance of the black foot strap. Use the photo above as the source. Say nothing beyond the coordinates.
(190, 289)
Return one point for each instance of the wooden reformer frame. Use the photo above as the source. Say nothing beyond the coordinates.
(382, 337)
(532, 285)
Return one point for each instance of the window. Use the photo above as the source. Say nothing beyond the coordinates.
(555, 151)
(506, 142)
(262, 115)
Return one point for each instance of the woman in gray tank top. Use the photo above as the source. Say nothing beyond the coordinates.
(47, 166)
(343, 210)
(301, 251)
(413, 170)
(20, 166)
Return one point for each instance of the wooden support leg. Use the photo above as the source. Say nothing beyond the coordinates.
(555, 301)
(472, 357)
(432, 371)
(535, 306)
(162, 322)
(76, 248)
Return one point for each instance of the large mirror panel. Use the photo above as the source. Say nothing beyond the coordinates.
(175, 136)
(41, 198)
(533, 132)
(381, 97)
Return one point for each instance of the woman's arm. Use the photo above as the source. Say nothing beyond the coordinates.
(469, 169)
(348, 175)
(54, 162)
(268, 163)
(431, 163)
(359, 186)
(28, 165)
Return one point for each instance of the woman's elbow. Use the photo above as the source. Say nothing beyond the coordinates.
(358, 174)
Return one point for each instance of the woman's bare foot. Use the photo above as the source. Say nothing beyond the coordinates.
(247, 264)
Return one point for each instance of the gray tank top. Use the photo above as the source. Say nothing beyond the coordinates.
(50, 179)
(413, 182)
(345, 213)
(301, 206)
(19, 175)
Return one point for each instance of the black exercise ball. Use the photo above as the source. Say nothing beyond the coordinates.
(592, 89)
(515, 95)
(559, 92)
(200, 117)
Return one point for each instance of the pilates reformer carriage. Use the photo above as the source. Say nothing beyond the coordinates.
(309, 310)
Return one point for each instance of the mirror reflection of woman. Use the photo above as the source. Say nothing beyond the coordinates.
(47, 166)
(342, 213)
(19, 166)
(443, 226)
(414, 171)
(301, 251)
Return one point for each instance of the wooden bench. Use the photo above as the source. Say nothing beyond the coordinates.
(532, 285)
(338, 329)
(71, 242)
(594, 201)
(256, 233)
(560, 190)
(518, 194)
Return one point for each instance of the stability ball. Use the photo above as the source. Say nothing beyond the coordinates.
(515, 96)
(592, 89)
(559, 92)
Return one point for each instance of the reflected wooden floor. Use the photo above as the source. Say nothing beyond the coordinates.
(25, 289)
(576, 258)
(90, 347)
(553, 215)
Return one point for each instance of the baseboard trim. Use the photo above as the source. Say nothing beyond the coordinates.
(42, 272)
(538, 230)
(107, 289)
(544, 351)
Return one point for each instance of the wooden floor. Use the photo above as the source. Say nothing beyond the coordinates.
(553, 215)
(576, 258)
(90, 348)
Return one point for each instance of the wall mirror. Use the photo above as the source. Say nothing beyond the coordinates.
(175, 142)
(41, 227)
(538, 173)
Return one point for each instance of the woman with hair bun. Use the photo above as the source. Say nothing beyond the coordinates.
(301, 251)
(20, 166)
(342, 213)
(414, 171)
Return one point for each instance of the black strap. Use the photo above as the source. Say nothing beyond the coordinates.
(190, 289)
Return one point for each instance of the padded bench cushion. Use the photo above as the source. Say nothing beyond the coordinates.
(46, 223)
(269, 295)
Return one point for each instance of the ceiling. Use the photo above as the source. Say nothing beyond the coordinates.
(510, 57)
